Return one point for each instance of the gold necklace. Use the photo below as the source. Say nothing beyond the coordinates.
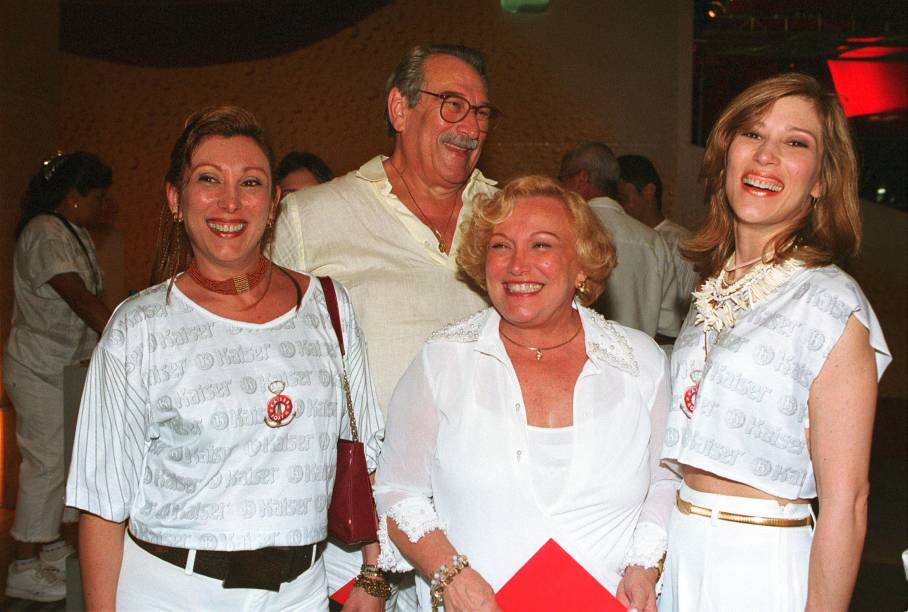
(442, 248)
(539, 349)
(742, 265)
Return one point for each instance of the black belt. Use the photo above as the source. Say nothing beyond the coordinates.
(265, 568)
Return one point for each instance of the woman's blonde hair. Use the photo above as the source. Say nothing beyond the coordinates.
(828, 231)
(594, 248)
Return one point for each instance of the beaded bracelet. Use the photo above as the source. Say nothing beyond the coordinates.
(443, 577)
(373, 582)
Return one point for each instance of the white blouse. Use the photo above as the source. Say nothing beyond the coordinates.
(47, 334)
(550, 452)
(456, 454)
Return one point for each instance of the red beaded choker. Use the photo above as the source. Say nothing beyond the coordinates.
(234, 286)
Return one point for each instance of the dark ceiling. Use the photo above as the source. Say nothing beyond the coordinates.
(201, 32)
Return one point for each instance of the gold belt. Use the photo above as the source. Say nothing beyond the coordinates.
(688, 508)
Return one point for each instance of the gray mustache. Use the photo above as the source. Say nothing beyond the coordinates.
(464, 142)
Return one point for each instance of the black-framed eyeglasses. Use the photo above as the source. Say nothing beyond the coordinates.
(455, 107)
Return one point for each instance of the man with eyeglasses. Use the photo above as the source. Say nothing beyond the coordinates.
(389, 230)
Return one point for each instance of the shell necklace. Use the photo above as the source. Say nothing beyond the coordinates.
(718, 304)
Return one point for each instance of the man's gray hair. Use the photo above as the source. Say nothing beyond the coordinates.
(408, 75)
(597, 159)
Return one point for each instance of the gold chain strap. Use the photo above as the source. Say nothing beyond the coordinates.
(354, 432)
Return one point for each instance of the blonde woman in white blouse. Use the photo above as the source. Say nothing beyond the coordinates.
(531, 420)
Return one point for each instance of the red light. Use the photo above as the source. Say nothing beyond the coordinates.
(869, 87)
(863, 52)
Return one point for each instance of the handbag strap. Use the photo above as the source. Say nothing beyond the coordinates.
(334, 314)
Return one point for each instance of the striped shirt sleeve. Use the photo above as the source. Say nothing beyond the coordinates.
(110, 440)
(369, 420)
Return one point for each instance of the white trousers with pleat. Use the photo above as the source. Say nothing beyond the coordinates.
(722, 566)
(39, 434)
(148, 583)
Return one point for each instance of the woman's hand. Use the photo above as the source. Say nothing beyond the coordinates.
(360, 601)
(637, 590)
(469, 592)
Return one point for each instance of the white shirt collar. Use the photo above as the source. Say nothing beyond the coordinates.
(607, 202)
(374, 171)
(606, 343)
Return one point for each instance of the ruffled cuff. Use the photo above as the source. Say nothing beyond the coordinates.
(416, 517)
(647, 548)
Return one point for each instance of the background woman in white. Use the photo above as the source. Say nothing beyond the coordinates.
(775, 371)
(530, 420)
(58, 317)
(213, 405)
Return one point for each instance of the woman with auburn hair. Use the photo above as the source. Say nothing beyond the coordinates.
(214, 402)
(532, 420)
(775, 371)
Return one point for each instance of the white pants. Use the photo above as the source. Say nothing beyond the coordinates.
(721, 566)
(342, 564)
(39, 433)
(148, 583)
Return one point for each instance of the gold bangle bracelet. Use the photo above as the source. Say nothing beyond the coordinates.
(376, 587)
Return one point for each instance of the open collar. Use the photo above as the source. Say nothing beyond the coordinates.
(373, 171)
(606, 343)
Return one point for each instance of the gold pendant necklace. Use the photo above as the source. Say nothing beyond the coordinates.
(538, 349)
(442, 247)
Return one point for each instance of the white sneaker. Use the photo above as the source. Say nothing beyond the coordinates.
(54, 555)
(35, 582)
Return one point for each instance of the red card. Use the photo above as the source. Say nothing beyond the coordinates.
(553, 580)
(340, 596)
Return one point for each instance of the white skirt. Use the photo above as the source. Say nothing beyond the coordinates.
(716, 565)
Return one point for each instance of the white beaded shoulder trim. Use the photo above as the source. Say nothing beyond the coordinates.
(465, 330)
(416, 517)
(617, 351)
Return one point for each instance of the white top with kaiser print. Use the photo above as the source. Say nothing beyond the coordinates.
(171, 431)
(749, 421)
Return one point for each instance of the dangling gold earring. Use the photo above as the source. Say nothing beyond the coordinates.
(581, 288)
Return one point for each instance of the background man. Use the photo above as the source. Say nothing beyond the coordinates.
(640, 193)
(389, 230)
(641, 291)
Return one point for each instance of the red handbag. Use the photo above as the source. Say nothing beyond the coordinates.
(351, 515)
